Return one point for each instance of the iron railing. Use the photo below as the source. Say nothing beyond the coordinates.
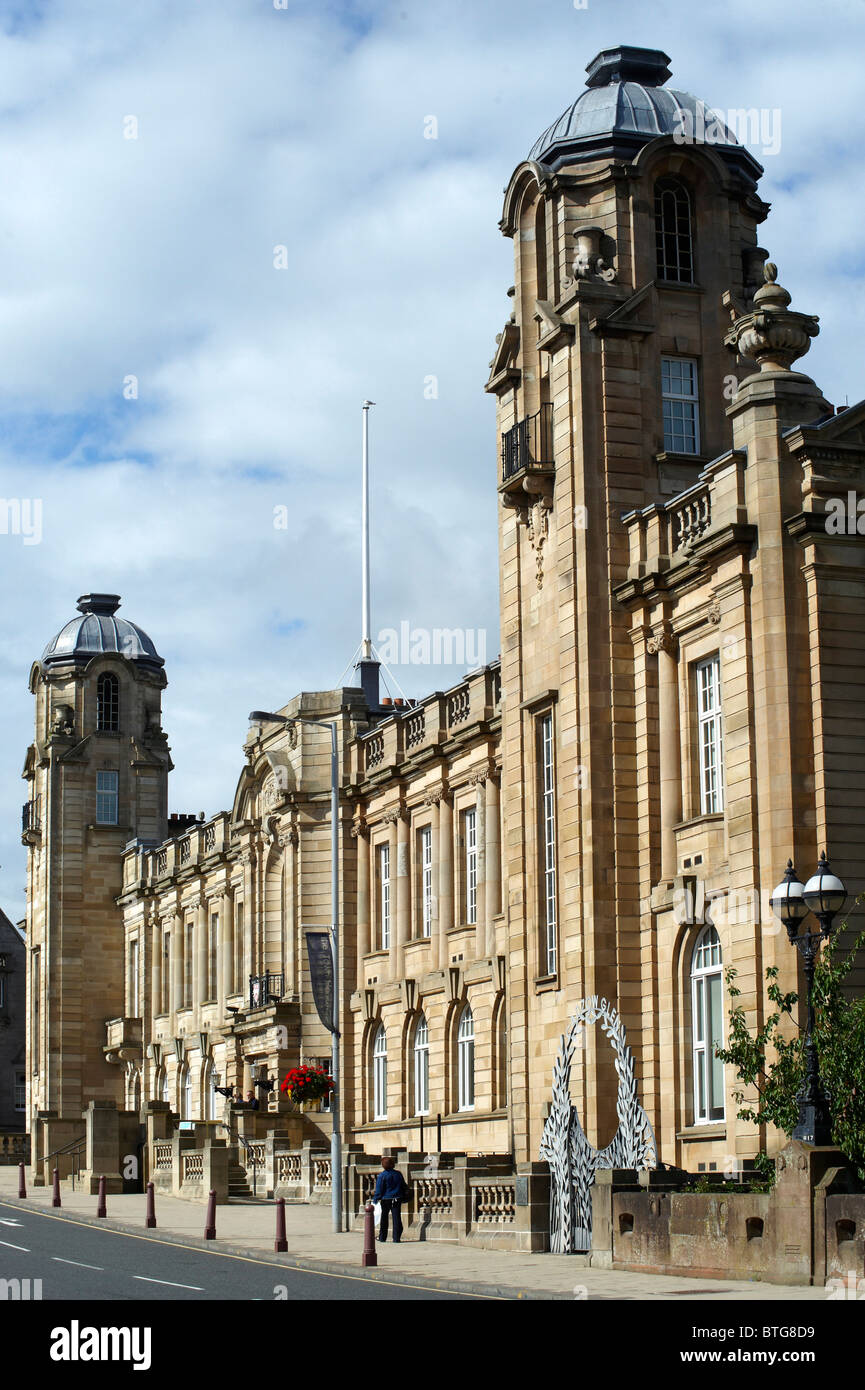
(265, 989)
(31, 815)
(529, 443)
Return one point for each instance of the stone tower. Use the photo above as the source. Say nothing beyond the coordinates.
(97, 775)
(613, 384)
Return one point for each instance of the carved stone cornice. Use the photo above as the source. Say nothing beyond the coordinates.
(434, 797)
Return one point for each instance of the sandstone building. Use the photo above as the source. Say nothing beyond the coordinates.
(678, 708)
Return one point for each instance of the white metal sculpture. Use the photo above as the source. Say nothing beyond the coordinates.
(573, 1160)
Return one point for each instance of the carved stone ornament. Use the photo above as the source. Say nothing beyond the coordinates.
(772, 335)
(714, 613)
(64, 720)
(662, 639)
(538, 530)
(433, 798)
(391, 817)
(288, 836)
(588, 263)
(572, 1159)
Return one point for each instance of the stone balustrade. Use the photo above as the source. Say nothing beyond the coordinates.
(14, 1148)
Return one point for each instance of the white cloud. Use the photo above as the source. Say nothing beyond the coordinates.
(154, 257)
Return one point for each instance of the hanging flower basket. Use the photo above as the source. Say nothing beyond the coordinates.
(304, 1085)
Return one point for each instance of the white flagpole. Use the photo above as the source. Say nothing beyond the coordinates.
(366, 639)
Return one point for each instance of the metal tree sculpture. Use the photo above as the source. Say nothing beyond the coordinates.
(572, 1159)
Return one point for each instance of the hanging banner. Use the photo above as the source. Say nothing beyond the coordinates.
(320, 954)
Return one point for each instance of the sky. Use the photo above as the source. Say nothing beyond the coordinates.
(223, 225)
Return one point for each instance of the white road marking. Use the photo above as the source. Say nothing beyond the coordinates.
(75, 1262)
(15, 1247)
(170, 1282)
(4, 1222)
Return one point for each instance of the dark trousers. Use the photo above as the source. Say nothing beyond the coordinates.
(388, 1205)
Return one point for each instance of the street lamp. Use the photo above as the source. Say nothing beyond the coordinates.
(824, 894)
(264, 717)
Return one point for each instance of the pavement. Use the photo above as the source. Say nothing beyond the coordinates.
(247, 1229)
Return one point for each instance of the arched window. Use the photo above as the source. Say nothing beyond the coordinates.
(673, 231)
(707, 1026)
(379, 1075)
(107, 703)
(421, 1067)
(500, 1065)
(466, 1060)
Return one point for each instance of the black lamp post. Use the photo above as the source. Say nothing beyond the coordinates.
(824, 894)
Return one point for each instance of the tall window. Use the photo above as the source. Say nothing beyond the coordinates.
(164, 1092)
(214, 955)
(186, 1093)
(470, 837)
(710, 734)
(107, 703)
(134, 977)
(421, 1067)
(107, 798)
(707, 1022)
(2, 991)
(166, 971)
(35, 1013)
(681, 405)
(384, 895)
(187, 965)
(466, 1060)
(673, 234)
(20, 1091)
(238, 948)
(379, 1075)
(426, 880)
(212, 1083)
(548, 840)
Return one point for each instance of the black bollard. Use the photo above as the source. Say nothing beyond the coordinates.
(150, 1219)
(210, 1219)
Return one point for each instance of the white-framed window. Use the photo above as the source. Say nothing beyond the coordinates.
(166, 972)
(326, 1064)
(673, 234)
(211, 1093)
(421, 1067)
(426, 880)
(466, 1060)
(707, 1026)
(379, 1075)
(20, 1091)
(186, 1093)
(107, 791)
(238, 982)
(681, 405)
(710, 735)
(107, 703)
(470, 840)
(548, 840)
(384, 896)
(164, 1090)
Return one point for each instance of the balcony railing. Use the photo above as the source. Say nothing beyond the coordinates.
(265, 989)
(31, 815)
(529, 444)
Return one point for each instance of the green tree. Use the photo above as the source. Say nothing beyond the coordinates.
(839, 1036)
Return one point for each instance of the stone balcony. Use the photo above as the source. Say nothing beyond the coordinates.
(123, 1039)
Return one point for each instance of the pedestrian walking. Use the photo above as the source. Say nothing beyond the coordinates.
(390, 1191)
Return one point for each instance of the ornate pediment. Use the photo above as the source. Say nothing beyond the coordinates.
(635, 315)
(504, 372)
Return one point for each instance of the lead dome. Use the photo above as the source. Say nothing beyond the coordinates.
(97, 631)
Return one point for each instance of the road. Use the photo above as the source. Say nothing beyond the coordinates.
(83, 1263)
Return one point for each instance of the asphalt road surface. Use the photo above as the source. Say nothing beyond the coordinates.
(83, 1263)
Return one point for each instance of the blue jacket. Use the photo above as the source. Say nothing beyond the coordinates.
(390, 1184)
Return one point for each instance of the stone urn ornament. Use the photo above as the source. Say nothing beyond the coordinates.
(772, 335)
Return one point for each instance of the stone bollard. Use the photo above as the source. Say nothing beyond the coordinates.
(22, 1184)
(210, 1219)
(101, 1204)
(280, 1245)
(150, 1217)
(55, 1201)
(369, 1255)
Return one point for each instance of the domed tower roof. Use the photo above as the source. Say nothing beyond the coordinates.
(625, 106)
(96, 630)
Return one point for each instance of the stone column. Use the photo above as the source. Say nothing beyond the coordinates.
(664, 643)
(435, 942)
(155, 967)
(248, 920)
(494, 863)
(480, 932)
(403, 895)
(364, 941)
(446, 878)
(226, 974)
(199, 984)
(177, 955)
